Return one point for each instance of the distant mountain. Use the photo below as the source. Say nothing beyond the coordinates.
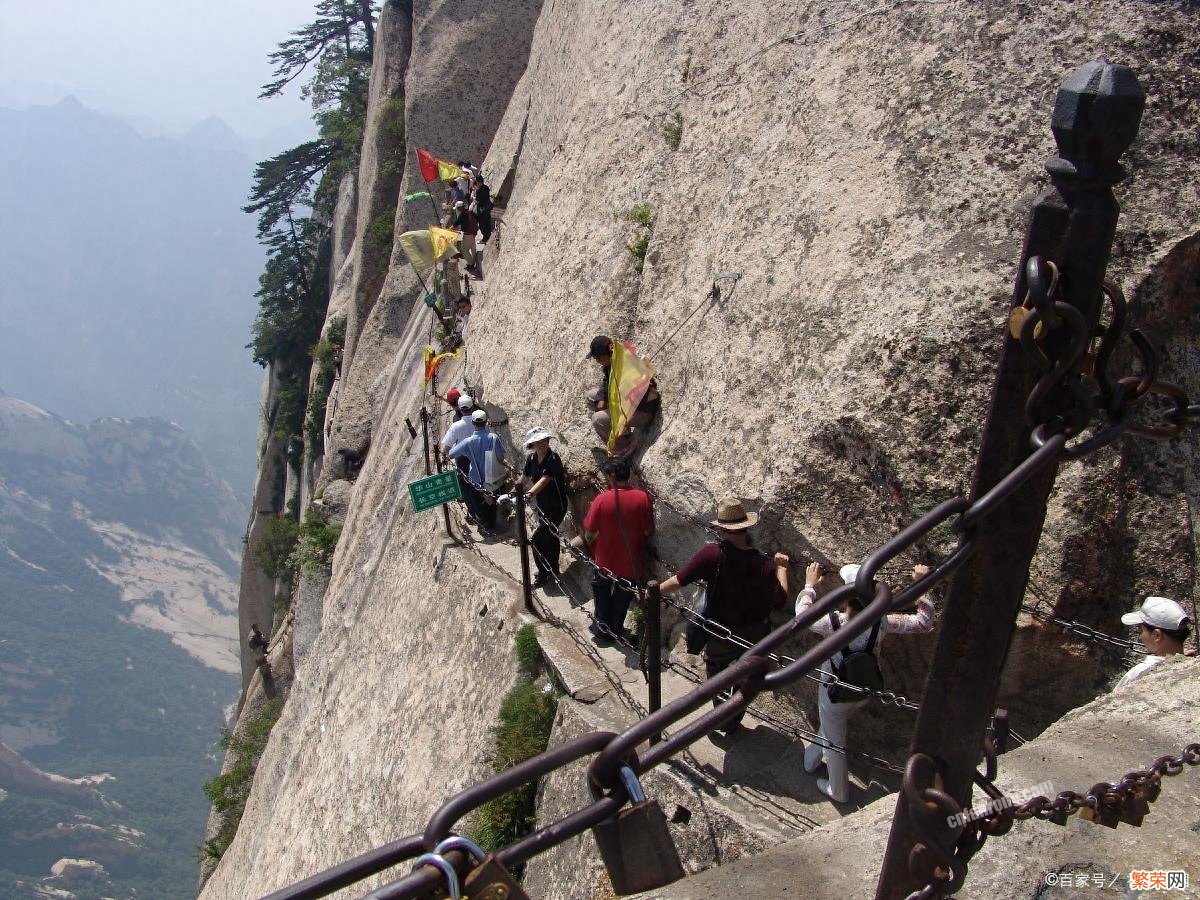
(129, 275)
(118, 553)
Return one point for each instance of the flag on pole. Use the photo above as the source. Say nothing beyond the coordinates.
(418, 247)
(429, 165)
(448, 171)
(444, 242)
(629, 378)
(418, 195)
(433, 361)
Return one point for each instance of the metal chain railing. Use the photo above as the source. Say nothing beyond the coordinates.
(1060, 408)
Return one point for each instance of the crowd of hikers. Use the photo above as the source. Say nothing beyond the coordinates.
(742, 585)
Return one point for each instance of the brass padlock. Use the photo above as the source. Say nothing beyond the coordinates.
(489, 880)
(636, 844)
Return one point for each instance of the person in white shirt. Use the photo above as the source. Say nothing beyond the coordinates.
(1163, 627)
(834, 715)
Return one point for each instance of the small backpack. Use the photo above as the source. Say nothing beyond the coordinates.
(858, 667)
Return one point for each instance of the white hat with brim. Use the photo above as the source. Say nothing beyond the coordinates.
(732, 516)
(535, 434)
(1157, 612)
(849, 572)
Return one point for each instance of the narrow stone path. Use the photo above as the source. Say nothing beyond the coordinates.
(757, 772)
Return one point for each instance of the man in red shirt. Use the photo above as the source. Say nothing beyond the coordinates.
(742, 586)
(615, 530)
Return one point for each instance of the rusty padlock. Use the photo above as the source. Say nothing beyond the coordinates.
(1106, 812)
(488, 879)
(1134, 808)
(636, 844)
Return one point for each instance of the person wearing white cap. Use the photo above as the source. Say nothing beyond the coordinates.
(836, 706)
(546, 478)
(1162, 627)
(477, 449)
(461, 427)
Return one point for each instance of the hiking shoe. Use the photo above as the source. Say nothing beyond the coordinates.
(543, 579)
(824, 787)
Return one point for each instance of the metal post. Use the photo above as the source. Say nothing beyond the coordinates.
(523, 543)
(437, 459)
(653, 620)
(1095, 119)
(425, 439)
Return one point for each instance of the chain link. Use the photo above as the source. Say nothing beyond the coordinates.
(1060, 408)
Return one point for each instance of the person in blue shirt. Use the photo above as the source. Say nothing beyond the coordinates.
(475, 449)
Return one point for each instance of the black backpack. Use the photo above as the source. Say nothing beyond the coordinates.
(858, 667)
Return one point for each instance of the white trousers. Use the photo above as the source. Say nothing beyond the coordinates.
(835, 724)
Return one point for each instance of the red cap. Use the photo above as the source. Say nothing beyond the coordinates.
(452, 395)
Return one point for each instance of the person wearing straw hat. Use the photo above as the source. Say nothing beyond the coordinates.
(742, 586)
(546, 479)
(835, 711)
(1163, 627)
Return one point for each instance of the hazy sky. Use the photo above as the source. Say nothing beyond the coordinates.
(172, 61)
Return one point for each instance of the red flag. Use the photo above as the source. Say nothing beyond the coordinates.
(428, 163)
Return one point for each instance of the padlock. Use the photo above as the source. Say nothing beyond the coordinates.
(636, 844)
(489, 880)
(1058, 817)
(1134, 808)
(1106, 811)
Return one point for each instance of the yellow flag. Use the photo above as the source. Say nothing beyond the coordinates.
(432, 362)
(418, 247)
(445, 242)
(449, 171)
(628, 380)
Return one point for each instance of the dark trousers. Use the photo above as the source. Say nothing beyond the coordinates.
(713, 666)
(546, 547)
(612, 605)
(485, 225)
(477, 504)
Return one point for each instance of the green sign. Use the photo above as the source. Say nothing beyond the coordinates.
(434, 490)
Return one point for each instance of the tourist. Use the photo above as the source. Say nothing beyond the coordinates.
(616, 530)
(465, 222)
(477, 448)
(258, 644)
(483, 209)
(601, 351)
(1163, 627)
(741, 587)
(546, 479)
(836, 708)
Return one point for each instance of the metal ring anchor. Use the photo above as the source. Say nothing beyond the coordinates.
(433, 859)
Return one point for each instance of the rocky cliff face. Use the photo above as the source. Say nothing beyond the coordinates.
(856, 182)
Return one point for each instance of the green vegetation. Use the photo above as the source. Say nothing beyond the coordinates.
(294, 216)
(642, 214)
(381, 230)
(274, 550)
(316, 543)
(672, 131)
(323, 353)
(522, 731)
(230, 789)
(638, 247)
